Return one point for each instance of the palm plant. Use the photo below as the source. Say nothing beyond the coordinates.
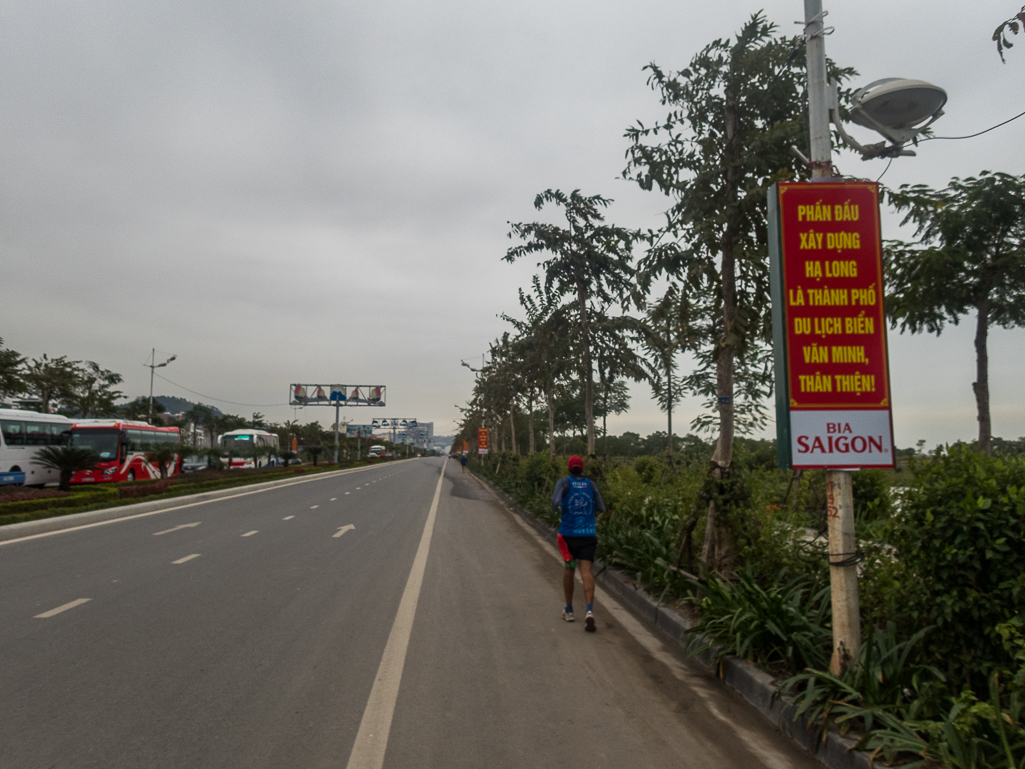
(164, 454)
(67, 460)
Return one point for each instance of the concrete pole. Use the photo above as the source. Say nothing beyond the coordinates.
(152, 368)
(843, 570)
(818, 103)
(337, 417)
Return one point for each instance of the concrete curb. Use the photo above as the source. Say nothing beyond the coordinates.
(753, 684)
(16, 531)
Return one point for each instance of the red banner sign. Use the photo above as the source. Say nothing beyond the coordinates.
(482, 441)
(837, 370)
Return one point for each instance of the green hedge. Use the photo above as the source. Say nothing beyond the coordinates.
(95, 498)
(75, 500)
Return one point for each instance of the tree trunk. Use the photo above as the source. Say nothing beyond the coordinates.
(604, 410)
(550, 396)
(718, 549)
(669, 404)
(512, 426)
(530, 422)
(588, 374)
(981, 383)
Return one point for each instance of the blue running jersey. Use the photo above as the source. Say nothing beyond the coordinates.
(578, 509)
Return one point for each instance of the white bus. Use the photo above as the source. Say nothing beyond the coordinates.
(22, 434)
(376, 451)
(238, 445)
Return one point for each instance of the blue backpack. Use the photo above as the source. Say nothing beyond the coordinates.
(578, 509)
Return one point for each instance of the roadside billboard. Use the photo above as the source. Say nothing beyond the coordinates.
(829, 332)
(336, 395)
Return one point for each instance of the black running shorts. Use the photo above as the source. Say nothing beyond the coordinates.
(581, 548)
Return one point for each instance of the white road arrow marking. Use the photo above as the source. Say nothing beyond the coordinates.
(183, 526)
(343, 529)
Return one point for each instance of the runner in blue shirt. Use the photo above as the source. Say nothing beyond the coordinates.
(578, 499)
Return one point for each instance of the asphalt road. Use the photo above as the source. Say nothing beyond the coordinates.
(369, 619)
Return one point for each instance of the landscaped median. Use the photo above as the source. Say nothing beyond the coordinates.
(27, 506)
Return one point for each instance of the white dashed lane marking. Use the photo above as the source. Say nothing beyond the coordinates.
(348, 493)
(332, 499)
(288, 517)
(176, 528)
(65, 607)
(314, 507)
(186, 558)
(250, 533)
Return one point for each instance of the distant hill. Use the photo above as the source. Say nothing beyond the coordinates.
(175, 405)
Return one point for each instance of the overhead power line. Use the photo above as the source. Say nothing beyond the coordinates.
(220, 400)
(972, 136)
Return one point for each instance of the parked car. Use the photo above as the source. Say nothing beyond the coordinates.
(192, 464)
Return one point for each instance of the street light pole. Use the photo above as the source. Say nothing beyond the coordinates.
(843, 569)
(153, 366)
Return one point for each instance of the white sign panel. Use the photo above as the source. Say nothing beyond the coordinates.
(835, 439)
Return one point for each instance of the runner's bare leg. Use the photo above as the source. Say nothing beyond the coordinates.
(587, 577)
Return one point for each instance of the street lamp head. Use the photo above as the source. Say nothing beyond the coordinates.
(897, 103)
(897, 108)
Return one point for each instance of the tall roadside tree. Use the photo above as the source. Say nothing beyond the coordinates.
(12, 380)
(733, 115)
(94, 394)
(52, 379)
(542, 344)
(970, 255)
(588, 260)
(617, 360)
(666, 335)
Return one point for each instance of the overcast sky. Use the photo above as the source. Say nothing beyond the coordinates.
(319, 191)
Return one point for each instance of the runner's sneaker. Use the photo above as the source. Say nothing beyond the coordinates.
(589, 625)
(567, 615)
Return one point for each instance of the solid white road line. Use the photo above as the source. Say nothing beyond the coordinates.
(372, 738)
(65, 607)
(176, 528)
(288, 517)
(343, 529)
(250, 533)
(186, 558)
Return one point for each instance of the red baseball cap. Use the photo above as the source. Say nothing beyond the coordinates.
(575, 462)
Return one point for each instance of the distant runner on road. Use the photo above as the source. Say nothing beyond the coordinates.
(578, 498)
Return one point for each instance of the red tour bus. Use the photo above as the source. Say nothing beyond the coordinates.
(122, 447)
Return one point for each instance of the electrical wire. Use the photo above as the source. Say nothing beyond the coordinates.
(972, 136)
(219, 400)
(885, 170)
